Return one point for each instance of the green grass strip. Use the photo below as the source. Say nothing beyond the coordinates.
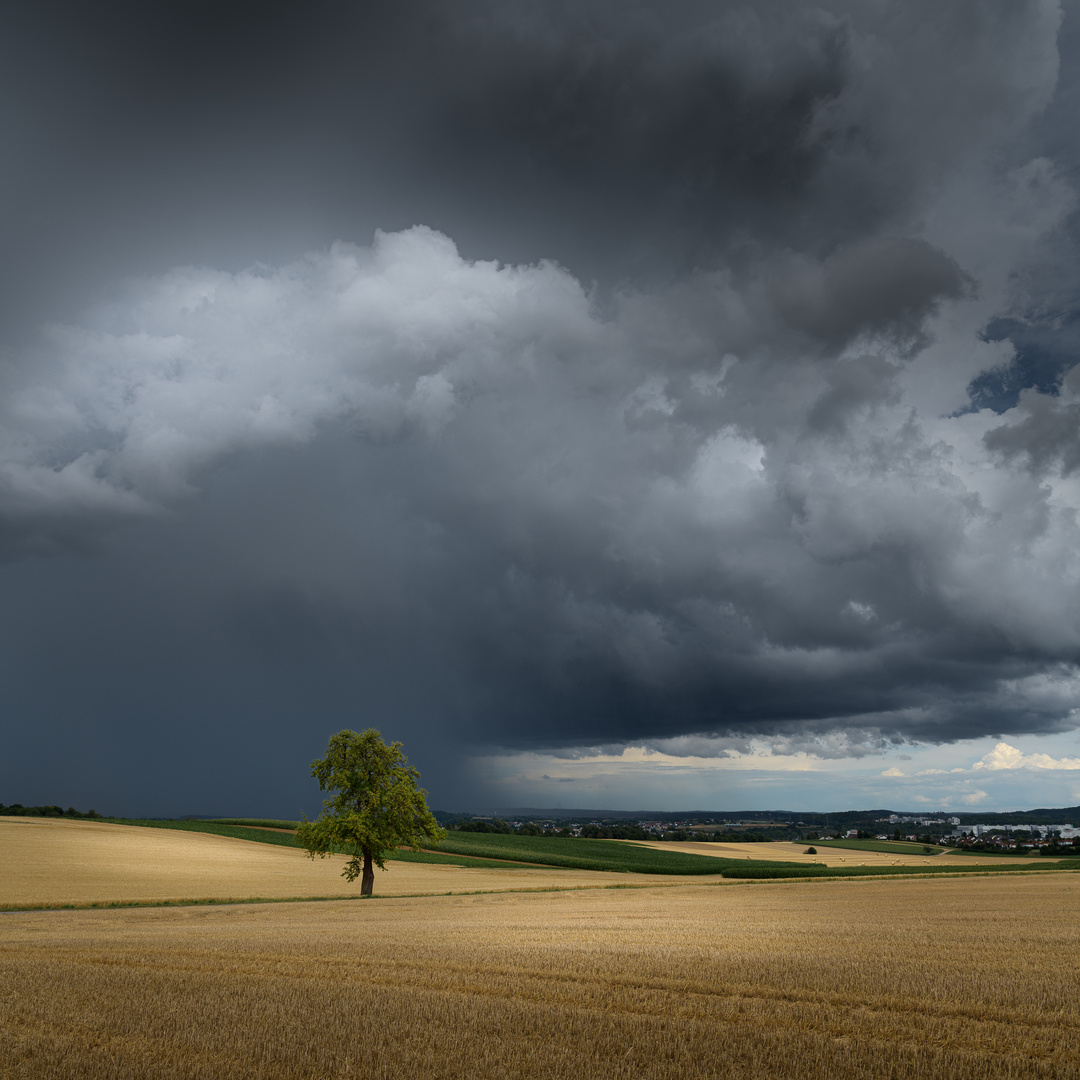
(584, 854)
(215, 828)
(775, 871)
(408, 855)
(264, 823)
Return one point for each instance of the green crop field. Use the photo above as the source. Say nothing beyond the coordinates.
(584, 854)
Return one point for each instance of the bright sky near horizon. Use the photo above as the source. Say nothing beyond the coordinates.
(622, 404)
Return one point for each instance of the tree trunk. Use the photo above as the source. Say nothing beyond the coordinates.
(367, 882)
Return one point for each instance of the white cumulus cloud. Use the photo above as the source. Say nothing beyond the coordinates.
(1004, 756)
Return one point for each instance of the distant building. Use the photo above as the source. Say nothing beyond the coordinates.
(1061, 832)
(908, 819)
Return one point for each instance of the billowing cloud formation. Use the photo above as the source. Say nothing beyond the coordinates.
(1043, 431)
(704, 513)
(1004, 756)
(197, 365)
(698, 467)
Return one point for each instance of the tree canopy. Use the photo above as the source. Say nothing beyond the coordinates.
(377, 805)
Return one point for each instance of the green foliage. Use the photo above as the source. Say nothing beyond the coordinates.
(614, 832)
(1056, 849)
(18, 810)
(991, 850)
(677, 835)
(496, 826)
(810, 851)
(376, 804)
(529, 829)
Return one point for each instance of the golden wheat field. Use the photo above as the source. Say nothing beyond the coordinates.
(783, 851)
(904, 978)
(950, 979)
(57, 861)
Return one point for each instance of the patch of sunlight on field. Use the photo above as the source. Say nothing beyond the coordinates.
(58, 861)
(780, 851)
(838, 980)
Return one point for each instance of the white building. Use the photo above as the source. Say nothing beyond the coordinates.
(1064, 832)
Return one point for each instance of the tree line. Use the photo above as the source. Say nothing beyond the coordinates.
(18, 810)
(594, 831)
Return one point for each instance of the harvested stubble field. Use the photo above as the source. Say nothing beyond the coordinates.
(906, 978)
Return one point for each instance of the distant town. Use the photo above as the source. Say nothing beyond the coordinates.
(1041, 831)
(1049, 830)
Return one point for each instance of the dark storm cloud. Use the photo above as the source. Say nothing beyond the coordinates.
(625, 140)
(888, 288)
(661, 131)
(728, 492)
(1044, 432)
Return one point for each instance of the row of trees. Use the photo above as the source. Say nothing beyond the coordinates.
(1001, 845)
(529, 828)
(18, 810)
(610, 832)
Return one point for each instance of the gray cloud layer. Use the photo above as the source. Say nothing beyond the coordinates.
(706, 474)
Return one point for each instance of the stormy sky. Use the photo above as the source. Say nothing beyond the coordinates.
(622, 404)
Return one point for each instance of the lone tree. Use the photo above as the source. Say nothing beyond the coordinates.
(376, 807)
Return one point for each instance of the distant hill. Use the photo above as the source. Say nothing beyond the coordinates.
(786, 816)
(586, 814)
(1067, 815)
